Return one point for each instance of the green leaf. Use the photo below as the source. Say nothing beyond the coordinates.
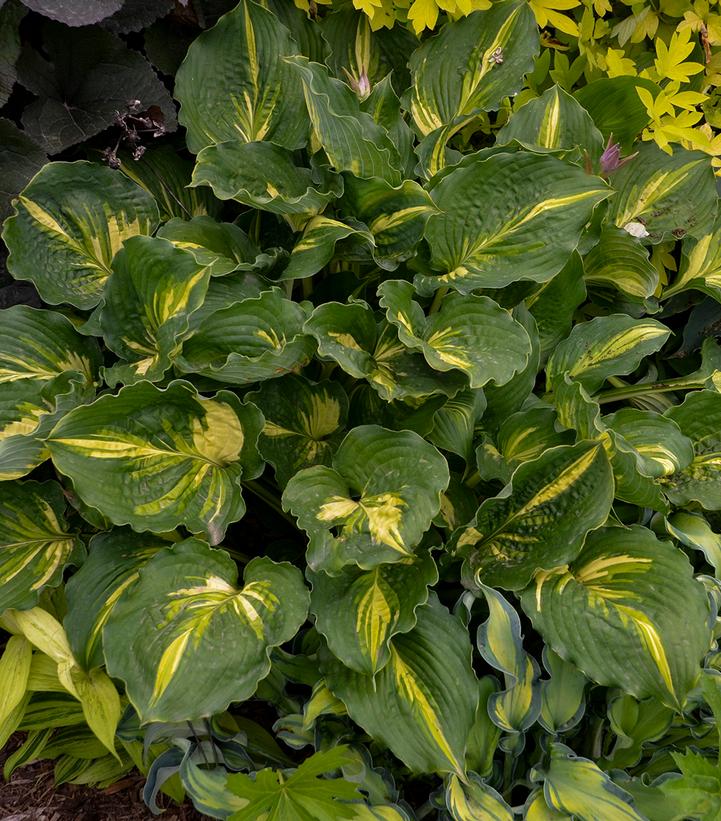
(234, 85)
(472, 334)
(359, 611)
(304, 423)
(35, 545)
(605, 346)
(700, 268)
(525, 435)
(374, 504)
(166, 638)
(562, 695)
(469, 67)
(454, 424)
(472, 799)
(178, 456)
(421, 705)
(485, 735)
(101, 704)
(258, 338)
(15, 664)
(620, 263)
(541, 519)
(533, 196)
(317, 247)
(698, 791)
(613, 612)
(147, 303)
(20, 160)
(692, 530)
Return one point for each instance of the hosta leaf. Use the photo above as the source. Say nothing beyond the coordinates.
(469, 67)
(258, 338)
(234, 84)
(166, 638)
(68, 224)
(700, 267)
(454, 424)
(540, 521)
(562, 696)
(265, 176)
(45, 369)
(178, 456)
(527, 434)
(533, 196)
(112, 565)
(421, 705)
(620, 262)
(317, 246)
(350, 335)
(606, 346)
(669, 195)
(374, 504)
(578, 787)
(147, 303)
(15, 665)
(614, 612)
(699, 418)
(472, 799)
(35, 545)
(359, 611)
(352, 140)
(225, 291)
(555, 120)
(472, 334)
(384, 105)
(304, 423)
(694, 531)
(697, 793)
(485, 735)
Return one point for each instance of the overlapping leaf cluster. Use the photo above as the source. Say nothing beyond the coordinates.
(479, 426)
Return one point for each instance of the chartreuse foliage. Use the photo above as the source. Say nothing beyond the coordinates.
(365, 460)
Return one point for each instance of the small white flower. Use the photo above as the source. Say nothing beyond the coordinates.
(636, 229)
(496, 56)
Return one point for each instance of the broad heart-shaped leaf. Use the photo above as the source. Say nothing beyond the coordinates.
(620, 263)
(700, 268)
(68, 224)
(359, 611)
(265, 176)
(454, 423)
(258, 338)
(20, 160)
(670, 195)
(75, 12)
(178, 457)
(472, 799)
(113, 562)
(374, 504)
(422, 704)
(46, 367)
(167, 637)
(35, 545)
(699, 417)
(366, 349)
(304, 423)
(606, 346)
(562, 695)
(541, 518)
(531, 197)
(577, 786)
(627, 612)
(694, 531)
(469, 67)
(351, 139)
(317, 246)
(555, 120)
(472, 334)
(147, 303)
(234, 84)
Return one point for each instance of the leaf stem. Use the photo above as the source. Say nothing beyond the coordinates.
(271, 499)
(437, 299)
(632, 391)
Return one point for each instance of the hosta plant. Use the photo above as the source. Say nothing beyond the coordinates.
(371, 469)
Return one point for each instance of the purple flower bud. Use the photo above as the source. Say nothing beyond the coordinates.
(611, 160)
(364, 86)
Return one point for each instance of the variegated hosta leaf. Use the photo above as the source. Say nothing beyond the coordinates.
(351, 139)
(527, 434)
(540, 521)
(500, 643)
(606, 346)
(454, 424)
(35, 545)
(252, 340)
(112, 565)
(555, 120)
(576, 786)
(421, 705)
(699, 417)
(167, 637)
(700, 268)
(234, 85)
(350, 335)
(614, 613)
(46, 367)
(533, 197)
(472, 799)
(562, 696)
(395, 216)
(694, 531)
(317, 246)
(485, 735)
(15, 666)
(265, 176)
(665, 195)
(147, 304)
(68, 224)
(359, 611)
(469, 67)
(619, 262)
(536, 809)
(472, 334)
(225, 291)
(374, 504)
(178, 456)
(304, 423)
(384, 105)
